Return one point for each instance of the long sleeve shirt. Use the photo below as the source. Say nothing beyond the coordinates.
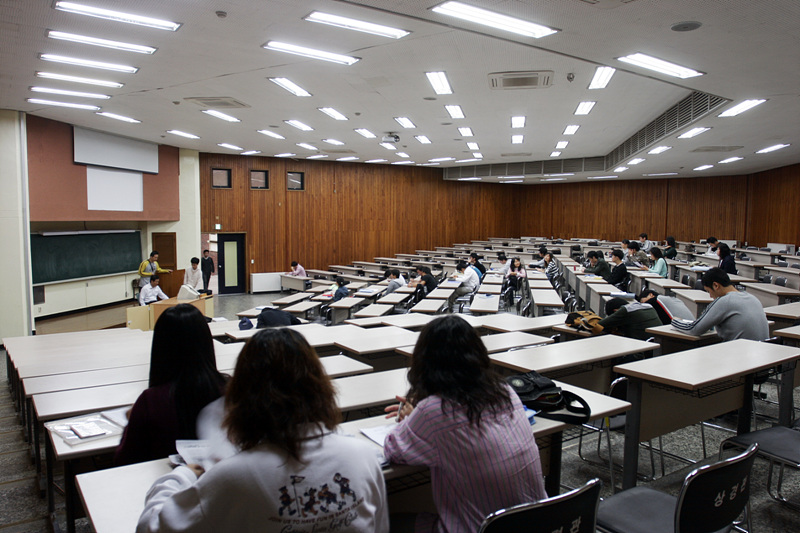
(618, 275)
(600, 269)
(660, 267)
(193, 277)
(469, 279)
(298, 271)
(147, 269)
(149, 294)
(736, 315)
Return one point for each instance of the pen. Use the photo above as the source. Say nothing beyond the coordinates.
(400, 408)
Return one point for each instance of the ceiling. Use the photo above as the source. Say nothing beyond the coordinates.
(745, 49)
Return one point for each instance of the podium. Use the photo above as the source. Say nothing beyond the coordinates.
(145, 317)
(170, 282)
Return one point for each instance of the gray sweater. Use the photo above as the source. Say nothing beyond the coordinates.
(737, 315)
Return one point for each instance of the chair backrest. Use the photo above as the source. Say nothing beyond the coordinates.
(765, 249)
(714, 495)
(752, 248)
(767, 278)
(685, 279)
(782, 264)
(795, 265)
(780, 280)
(698, 284)
(574, 511)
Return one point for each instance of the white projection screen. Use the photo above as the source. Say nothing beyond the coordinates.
(109, 189)
(106, 150)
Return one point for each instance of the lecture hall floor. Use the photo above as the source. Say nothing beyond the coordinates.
(21, 510)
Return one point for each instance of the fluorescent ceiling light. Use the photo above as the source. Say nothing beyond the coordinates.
(377, 161)
(72, 7)
(307, 146)
(271, 134)
(659, 150)
(602, 75)
(469, 179)
(347, 158)
(509, 177)
(405, 122)
(62, 92)
(636, 161)
(553, 179)
(88, 63)
(465, 132)
(454, 111)
(299, 125)
(477, 155)
(403, 163)
(731, 160)
(105, 43)
(251, 152)
(428, 164)
(512, 181)
(290, 86)
(331, 112)
(659, 65)
(601, 177)
(76, 79)
(571, 129)
(560, 145)
(310, 52)
(333, 142)
(230, 146)
(357, 25)
(403, 154)
(662, 174)
(772, 148)
(422, 139)
(438, 81)
(694, 132)
(62, 104)
(467, 160)
(741, 108)
(561, 174)
(518, 122)
(121, 118)
(473, 146)
(704, 167)
(365, 133)
(620, 169)
(555, 154)
(389, 146)
(286, 154)
(439, 159)
(318, 156)
(517, 139)
(584, 108)
(220, 115)
(493, 19)
(183, 134)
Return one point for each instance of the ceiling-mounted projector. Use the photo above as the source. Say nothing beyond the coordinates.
(391, 138)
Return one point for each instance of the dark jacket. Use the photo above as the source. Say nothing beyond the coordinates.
(600, 269)
(632, 320)
(618, 274)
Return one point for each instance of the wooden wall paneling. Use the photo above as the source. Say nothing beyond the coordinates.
(701, 207)
(774, 206)
(537, 211)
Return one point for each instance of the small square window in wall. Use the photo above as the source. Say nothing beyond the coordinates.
(221, 178)
(296, 181)
(259, 179)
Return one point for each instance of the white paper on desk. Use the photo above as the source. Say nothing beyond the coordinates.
(377, 434)
(195, 452)
(119, 416)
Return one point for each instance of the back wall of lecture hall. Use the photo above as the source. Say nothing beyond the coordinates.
(352, 211)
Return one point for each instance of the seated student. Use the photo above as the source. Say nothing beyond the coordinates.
(341, 289)
(550, 268)
(712, 247)
(645, 244)
(183, 380)
(461, 420)
(619, 274)
(294, 471)
(659, 263)
(504, 264)
(735, 315)
(193, 277)
(538, 260)
(516, 273)
(597, 265)
(151, 292)
(425, 281)
(469, 283)
(636, 257)
(395, 281)
(671, 251)
(628, 319)
(475, 262)
(297, 270)
(667, 307)
(726, 260)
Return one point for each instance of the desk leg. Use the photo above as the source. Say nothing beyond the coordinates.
(37, 451)
(630, 463)
(552, 482)
(69, 494)
(786, 397)
(746, 410)
(51, 497)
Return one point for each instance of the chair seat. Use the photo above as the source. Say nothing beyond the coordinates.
(779, 442)
(638, 510)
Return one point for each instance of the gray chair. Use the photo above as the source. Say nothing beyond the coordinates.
(698, 284)
(781, 281)
(711, 499)
(795, 265)
(574, 511)
(766, 279)
(783, 264)
(765, 249)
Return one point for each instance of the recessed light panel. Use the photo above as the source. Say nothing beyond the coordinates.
(602, 75)
(117, 16)
(88, 63)
(659, 150)
(333, 142)
(454, 111)
(741, 108)
(584, 108)
(493, 19)
(473, 147)
(731, 160)
(272, 134)
(571, 129)
(422, 139)
(307, 146)
(121, 118)
(62, 104)
(220, 115)
(356, 25)
(694, 132)
(251, 152)
(105, 43)
(365, 133)
(310, 52)
(636, 161)
(389, 146)
(704, 167)
(560, 145)
(230, 146)
(620, 169)
(439, 82)
(183, 134)
(299, 125)
(331, 112)
(62, 92)
(465, 132)
(517, 139)
(77, 79)
(405, 122)
(772, 148)
(659, 65)
(555, 154)
(518, 122)
(289, 85)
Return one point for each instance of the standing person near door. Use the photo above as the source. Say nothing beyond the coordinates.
(148, 268)
(207, 267)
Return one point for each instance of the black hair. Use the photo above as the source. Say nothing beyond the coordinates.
(475, 256)
(645, 293)
(591, 253)
(451, 361)
(656, 251)
(613, 304)
(294, 263)
(195, 261)
(154, 252)
(154, 277)
(724, 250)
(461, 265)
(625, 242)
(618, 253)
(182, 354)
(643, 235)
(501, 256)
(711, 240)
(513, 267)
(542, 250)
(340, 281)
(671, 241)
(395, 272)
(204, 251)
(634, 245)
(716, 275)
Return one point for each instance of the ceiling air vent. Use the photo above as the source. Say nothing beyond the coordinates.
(534, 79)
(217, 102)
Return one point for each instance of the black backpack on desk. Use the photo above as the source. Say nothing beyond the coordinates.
(270, 317)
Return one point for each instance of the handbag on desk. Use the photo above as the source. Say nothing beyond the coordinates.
(541, 394)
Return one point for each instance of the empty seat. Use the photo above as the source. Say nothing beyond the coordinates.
(765, 249)
(795, 265)
(782, 264)
(780, 280)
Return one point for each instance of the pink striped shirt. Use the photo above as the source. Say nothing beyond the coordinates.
(474, 471)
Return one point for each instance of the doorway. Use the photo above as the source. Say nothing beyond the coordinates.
(231, 264)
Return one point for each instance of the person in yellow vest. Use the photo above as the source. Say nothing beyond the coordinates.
(150, 267)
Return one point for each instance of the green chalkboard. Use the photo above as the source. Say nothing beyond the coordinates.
(63, 257)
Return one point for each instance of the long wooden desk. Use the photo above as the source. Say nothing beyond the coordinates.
(295, 283)
(784, 315)
(680, 389)
(770, 295)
